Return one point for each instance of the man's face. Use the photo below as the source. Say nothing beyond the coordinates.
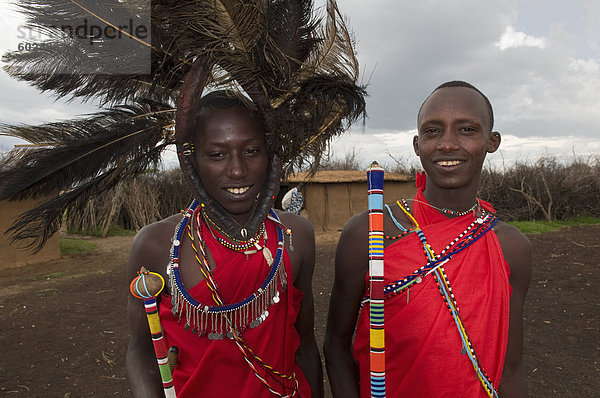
(454, 136)
(231, 158)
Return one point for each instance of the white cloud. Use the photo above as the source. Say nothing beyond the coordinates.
(513, 39)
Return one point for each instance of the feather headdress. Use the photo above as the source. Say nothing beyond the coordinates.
(299, 70)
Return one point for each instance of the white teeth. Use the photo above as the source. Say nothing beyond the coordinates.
(449, 162)
(238, 191)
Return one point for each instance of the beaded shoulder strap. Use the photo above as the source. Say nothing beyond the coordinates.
(446, 290)
(469, 236)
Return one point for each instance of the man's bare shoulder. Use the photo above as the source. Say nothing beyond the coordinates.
(157, 230)
(356, 226)
(517, 251)
(152, 244)
(297, 223)
(511, 239)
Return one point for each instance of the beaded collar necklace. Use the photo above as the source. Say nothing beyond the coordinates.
(229, 320)
(212, 321)
(213, 224)
(240, 247)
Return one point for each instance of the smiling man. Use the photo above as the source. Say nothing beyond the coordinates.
(455, 276)
(239, 304)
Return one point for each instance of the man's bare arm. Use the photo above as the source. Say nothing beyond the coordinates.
(517, 252)
(351, 265)
(142, 369)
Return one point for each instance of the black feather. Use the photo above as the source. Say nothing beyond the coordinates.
(298, 68)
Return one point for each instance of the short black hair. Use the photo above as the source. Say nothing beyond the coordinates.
(460, 83)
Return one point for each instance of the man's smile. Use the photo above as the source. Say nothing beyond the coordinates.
(447, 163)
(238, 191)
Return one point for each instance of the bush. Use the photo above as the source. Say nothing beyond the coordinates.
(545, 190)
(132, 204)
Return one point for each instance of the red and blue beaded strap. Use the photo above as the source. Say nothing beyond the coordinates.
(375, 176)
(462, 241)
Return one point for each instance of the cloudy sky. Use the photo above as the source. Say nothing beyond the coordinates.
(537, 60)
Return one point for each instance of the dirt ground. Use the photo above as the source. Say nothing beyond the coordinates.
(64, 331)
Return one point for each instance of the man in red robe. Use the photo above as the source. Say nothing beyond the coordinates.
(456, 277)
(239, 311)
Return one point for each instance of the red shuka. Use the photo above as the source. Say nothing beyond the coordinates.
(422, 344)
(216, 368)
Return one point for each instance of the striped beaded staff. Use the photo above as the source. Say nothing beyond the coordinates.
(376, 284)
(146, 286)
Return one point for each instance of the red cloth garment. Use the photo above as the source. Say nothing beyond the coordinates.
(422, 344)
(216, 368)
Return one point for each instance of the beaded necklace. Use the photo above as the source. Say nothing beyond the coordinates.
(224, 233)
(242, 247)
(230, 320)
(451, 212)
(204, 319)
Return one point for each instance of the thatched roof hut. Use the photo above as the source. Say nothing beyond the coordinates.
(331, 197)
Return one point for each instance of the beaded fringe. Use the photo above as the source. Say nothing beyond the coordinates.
(215, 322)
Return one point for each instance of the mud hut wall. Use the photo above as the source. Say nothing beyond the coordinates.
(329, 205)
(339, 204)
(315, 205)
(394, 190)
(13, 255)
